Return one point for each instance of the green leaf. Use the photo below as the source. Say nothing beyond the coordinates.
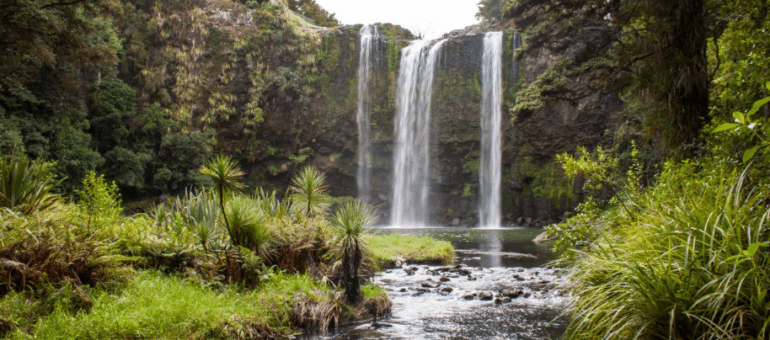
(724, 127)
(767, 85)
(757, 105)
(754, 247)
(739, 117)
(750, 153)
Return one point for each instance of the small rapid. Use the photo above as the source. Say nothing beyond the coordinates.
(501, 288)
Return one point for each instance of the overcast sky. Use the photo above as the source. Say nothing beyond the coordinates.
(431, 17)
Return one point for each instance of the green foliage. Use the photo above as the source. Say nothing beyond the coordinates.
(756, 126)
(310, 192)
(351, 221)
(225, 173)
(99, 201)
(694, 264)
(248, 226)
(25, 185)
(200, 214)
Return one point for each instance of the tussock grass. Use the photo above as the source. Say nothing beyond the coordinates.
(385, 248)
(693, 265)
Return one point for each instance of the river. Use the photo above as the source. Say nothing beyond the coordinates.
(504, 263)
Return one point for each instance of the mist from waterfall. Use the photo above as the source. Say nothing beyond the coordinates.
(490, 172)
(367, 36)
(412, 129)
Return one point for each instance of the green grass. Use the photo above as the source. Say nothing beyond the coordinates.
(385, 248)
(158, 306)
(693, 264)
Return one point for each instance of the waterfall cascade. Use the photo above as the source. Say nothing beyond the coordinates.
(490, 172)
(412, 130)
(367, 36)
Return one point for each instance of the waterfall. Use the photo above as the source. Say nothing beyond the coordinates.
(412, 130)
(491, 146)
(367, 35)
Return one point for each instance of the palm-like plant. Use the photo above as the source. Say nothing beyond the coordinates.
(310, 191)
(26, 185)
(225, 173)
(351, 221)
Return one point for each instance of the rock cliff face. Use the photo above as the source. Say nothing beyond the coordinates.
(534, 189)
(281, 94)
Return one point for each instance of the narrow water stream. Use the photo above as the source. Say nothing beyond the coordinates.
(501, 288)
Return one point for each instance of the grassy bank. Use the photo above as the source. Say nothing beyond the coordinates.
(384, 249)
(211, 264)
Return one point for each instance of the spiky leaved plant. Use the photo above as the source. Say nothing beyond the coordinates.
(248, 226)
(225, 173)
(351, 221)
(310, 191)
(26, 185)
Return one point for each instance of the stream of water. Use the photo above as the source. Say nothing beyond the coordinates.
(524, 304)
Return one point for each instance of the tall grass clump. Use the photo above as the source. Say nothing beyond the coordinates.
(693, 264)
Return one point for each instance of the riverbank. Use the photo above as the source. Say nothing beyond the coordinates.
(156, 302)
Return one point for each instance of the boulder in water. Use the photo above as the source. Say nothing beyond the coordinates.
(447, 289)
(469, 296)
(485, 296)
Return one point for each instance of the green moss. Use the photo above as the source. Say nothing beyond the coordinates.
(546, 180)
(385, 248)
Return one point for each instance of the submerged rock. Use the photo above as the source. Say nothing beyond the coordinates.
(469, 296)
(447, 289)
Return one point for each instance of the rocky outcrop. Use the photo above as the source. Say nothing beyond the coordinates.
(283, 95)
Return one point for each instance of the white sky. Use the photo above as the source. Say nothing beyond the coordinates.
(431, 17)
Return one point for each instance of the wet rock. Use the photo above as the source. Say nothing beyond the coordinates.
(447, 289)
(414, 269)
(505, 299)
(469, 296)
(498, 301)
(409, 271)
(444, 279)
(429, 285)
(518, 277)
(456, 221)
(463, 272)
(400, 261)
(485, 296)
(402, 290)
(527, 294)
(514, 293)
(422, 290)
(472, 278)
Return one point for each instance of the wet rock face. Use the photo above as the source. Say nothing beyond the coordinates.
(533, 185)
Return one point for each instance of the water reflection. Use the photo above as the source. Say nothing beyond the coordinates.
(492, 246)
